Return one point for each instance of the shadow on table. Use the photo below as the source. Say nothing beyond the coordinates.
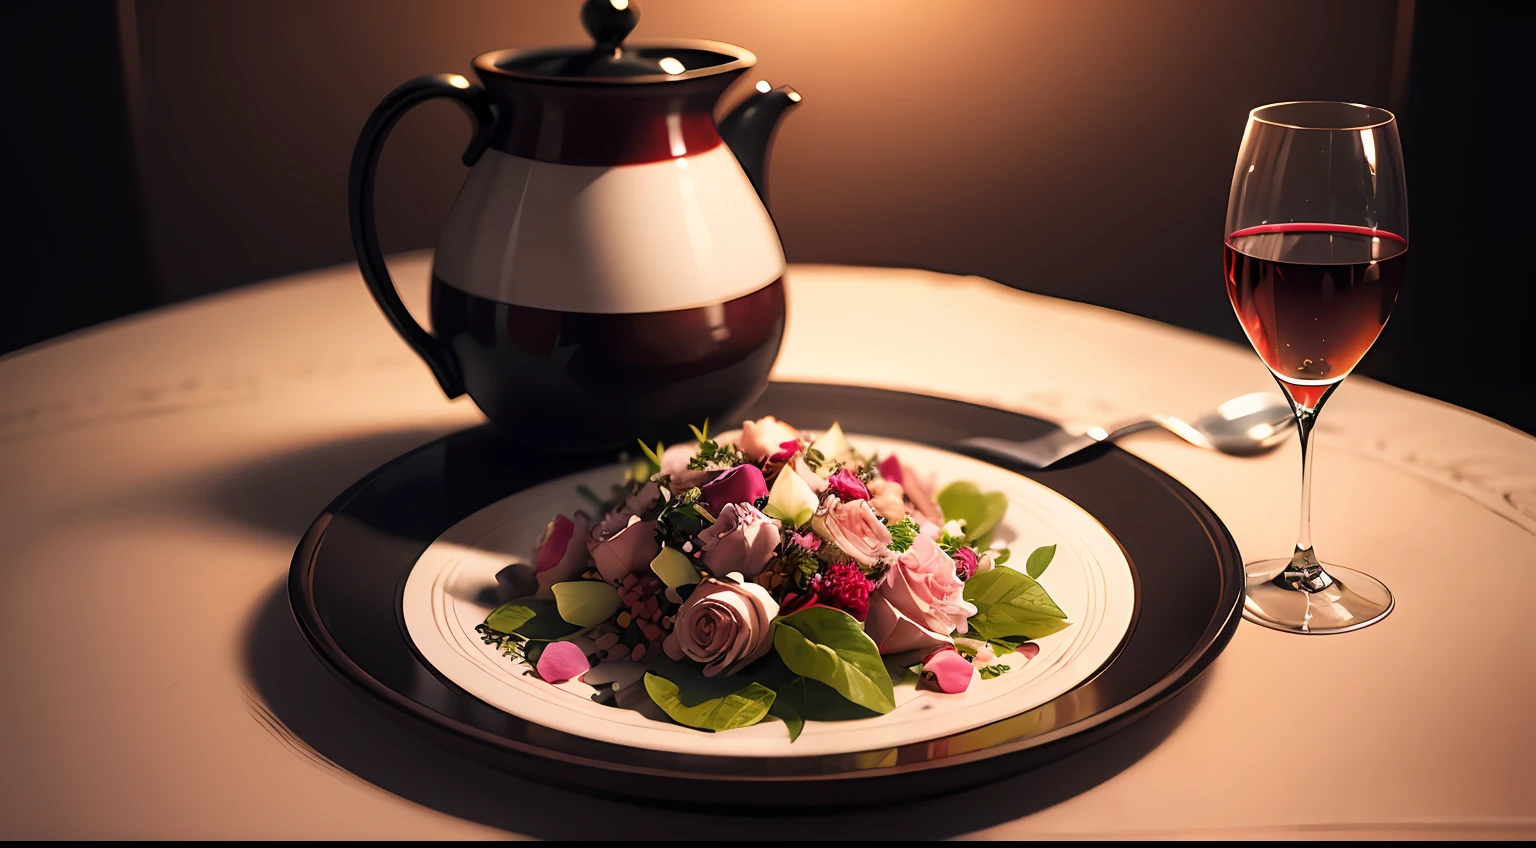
(329, 720)
(283, 492)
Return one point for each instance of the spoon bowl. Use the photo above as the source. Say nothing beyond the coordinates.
(1243, 426)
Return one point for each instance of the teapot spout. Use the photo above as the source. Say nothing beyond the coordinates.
(748, 130)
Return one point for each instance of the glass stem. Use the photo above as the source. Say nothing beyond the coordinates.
(1305, 572)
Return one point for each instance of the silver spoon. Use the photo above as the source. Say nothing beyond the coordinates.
(1243, 426)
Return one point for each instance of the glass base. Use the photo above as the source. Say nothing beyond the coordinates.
(1347, 600)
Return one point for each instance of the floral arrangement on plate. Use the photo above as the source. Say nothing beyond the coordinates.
(770, 573)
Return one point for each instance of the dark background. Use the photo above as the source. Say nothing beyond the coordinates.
(163, 149)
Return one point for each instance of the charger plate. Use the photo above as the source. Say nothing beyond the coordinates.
(389, 581)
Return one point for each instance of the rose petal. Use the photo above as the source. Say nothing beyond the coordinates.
(575, 560)
(950, 671)
(786, 450)
(562, 661)
(1029, 649)
(557, 536)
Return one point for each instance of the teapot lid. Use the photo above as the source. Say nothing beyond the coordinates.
(609, 61)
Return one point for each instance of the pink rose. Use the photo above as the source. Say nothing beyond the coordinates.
(762, 438)
(847, 486)
(841, 586)
(885, 497)
(808, 540)
(743, 484)
(741, 539)
(966, 563)
(725, 625)
(855, 529)
(562, 553)
(623, 544)
(890, 469)
(919, 602)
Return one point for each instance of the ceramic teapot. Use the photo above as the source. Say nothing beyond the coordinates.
(609, 270)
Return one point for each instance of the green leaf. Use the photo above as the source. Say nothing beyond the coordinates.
(903, 534)
(1000, 555)
(1039, 560)
(1005, 646)
(530, 618)
(586, 603)
(830, 646)
(1010, 604)
(788, 707)
(1004, 586)
(742, 708)
(951, 544)
(701, 435)
(674, 568)
(653, 455)
(962, 501)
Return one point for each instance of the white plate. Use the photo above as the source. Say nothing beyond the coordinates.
(1090, 579)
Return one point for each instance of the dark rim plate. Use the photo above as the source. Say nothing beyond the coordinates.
(350, 569)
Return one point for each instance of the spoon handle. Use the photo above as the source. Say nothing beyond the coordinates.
(1058, 444)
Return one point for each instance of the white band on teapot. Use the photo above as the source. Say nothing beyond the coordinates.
(676, 234)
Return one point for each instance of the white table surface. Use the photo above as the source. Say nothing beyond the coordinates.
(158, 472)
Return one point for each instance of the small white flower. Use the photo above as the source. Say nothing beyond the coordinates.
(986, 562)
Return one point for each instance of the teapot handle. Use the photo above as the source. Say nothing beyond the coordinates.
(365, 238)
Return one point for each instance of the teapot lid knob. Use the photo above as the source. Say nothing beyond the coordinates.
(609, 22)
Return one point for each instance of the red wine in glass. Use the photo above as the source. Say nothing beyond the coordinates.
(1313, 297)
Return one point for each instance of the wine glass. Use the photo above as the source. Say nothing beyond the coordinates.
(1316, 249)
